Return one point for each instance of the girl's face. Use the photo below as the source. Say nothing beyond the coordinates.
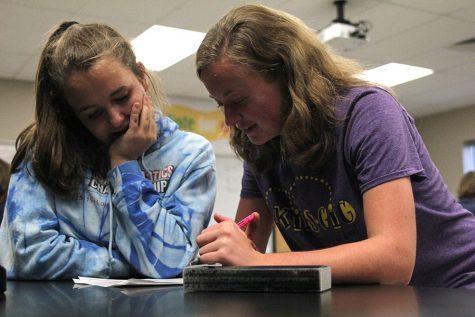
(102, 97)
(250, 103)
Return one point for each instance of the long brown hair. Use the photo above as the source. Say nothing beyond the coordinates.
(61, 149)
(281, 47)
(4, 180)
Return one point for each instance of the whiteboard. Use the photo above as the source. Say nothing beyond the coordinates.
(228, 181)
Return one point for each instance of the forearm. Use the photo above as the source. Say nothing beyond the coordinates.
(367, 261)
(41, 242)
(155, 232)
(61, 257)
(260, 230)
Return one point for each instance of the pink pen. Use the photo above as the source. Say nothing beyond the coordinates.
(241, 224)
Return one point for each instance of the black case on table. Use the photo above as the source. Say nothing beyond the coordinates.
(216, 278)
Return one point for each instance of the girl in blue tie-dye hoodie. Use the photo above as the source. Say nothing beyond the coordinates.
(102, 183)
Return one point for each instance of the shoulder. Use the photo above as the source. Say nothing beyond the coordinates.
(191, 140)
(181, 146)
(372, 104)
(365, 98)
(24, 171)
(169, 131)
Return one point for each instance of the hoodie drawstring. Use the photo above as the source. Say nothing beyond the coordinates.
(111, 216)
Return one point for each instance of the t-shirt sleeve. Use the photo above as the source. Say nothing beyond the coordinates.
(249, 188)
(382, 141)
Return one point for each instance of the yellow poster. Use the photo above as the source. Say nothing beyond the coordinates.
(209, 124)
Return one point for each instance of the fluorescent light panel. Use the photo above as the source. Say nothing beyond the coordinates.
(160, 47)
(394, 74)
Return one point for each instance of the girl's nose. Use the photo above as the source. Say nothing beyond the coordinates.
(231, 117)
(116, 117)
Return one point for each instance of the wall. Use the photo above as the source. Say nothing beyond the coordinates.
(444, 135)
(16, 108)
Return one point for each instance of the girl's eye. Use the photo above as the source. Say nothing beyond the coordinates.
(233, 103)
(122, 99)
(237, 103)
(95, 114)
(240, 101)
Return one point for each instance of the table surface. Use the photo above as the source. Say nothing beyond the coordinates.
(64, 298)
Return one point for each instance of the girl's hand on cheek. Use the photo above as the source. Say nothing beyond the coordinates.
(142, 133)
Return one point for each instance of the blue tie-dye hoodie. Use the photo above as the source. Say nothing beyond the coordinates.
(159, 204)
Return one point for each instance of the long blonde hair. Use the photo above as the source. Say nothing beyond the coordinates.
(281, 47)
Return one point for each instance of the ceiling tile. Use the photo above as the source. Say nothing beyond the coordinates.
(435, 6)
(143, 11)
(24, 28)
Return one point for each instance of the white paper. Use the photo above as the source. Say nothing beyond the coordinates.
(106, 282)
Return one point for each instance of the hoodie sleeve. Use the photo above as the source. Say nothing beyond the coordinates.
(156, 231)
(33, 246)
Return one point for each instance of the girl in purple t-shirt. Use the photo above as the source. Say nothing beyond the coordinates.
(334, 161)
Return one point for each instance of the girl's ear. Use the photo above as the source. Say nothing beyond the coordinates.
(143, 76)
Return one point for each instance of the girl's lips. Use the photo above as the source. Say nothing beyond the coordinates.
(249, 129)
(115, 135)
(244, 127)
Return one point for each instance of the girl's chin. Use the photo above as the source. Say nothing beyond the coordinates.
(259, 138)
(113, 137)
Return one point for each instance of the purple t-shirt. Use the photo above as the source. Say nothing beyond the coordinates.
(320, 208)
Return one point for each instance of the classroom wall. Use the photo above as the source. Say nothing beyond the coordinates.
(444, 135)
(16, 108)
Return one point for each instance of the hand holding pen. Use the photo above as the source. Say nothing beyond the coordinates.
(227, 243)
(244, 222)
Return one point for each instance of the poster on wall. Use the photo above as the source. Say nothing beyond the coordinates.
(209, 124)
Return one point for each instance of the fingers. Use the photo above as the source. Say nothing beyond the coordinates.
(135, 115)
(145, 115)
(219, 218)
(215, 228)
(206, 236)
(222, 230)
(148, 117)
(211, 233)
(225, 243)
(215, 244)
(142, 120)
(253, 225)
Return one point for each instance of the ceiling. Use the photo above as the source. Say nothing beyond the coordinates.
(416, 32)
